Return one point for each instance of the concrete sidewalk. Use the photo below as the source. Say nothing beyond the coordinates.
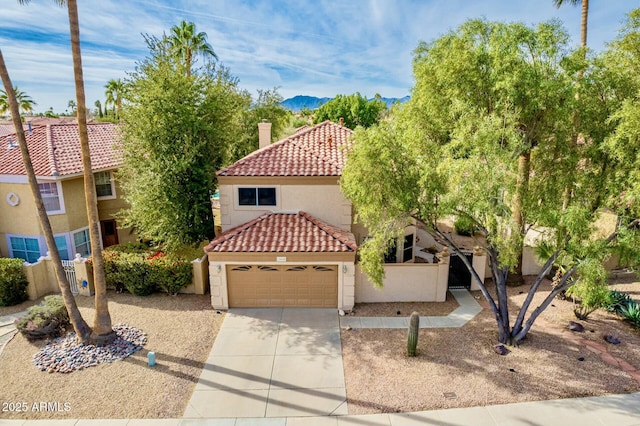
(464, 313)
(612, 410)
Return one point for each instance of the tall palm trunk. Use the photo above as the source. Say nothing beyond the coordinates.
(102, 330)
(79, 324)
(583, 23)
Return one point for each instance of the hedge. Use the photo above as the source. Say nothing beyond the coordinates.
(13, 282)
(142, 272)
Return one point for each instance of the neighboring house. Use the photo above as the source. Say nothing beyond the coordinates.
(56, 158)
(289, 237)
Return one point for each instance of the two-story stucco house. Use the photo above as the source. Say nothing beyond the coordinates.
(56, 158)
(289, 237)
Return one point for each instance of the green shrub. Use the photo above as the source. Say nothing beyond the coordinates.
(130, 247)
(631, 313)
(464, 226)
(171, 273)
(615, 301)
(134, 271)
(49, 319)
(589, 295)
(13, 282)
(145, 272)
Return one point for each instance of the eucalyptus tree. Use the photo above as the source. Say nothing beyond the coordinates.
(177, 131)
(485, 136)
(102, 332)
(25, 103)
(83, 331)
(185, 42)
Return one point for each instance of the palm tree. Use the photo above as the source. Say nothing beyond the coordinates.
(185, 43)
(25, 103)
(72, 105)
(102, 332)
(99, 106)
(79, 324)
(583, 21)
(114, 93)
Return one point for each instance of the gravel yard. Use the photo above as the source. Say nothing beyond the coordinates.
(454, 367)
(180, 330)
(393, 309)
(459, 368)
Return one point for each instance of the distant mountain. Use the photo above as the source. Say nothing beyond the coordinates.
(300, 102)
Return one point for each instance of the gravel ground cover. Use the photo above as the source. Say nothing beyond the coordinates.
(393, 309)
(459, 368)
(179, 329)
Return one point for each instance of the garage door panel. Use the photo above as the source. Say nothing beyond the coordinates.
(282, 285)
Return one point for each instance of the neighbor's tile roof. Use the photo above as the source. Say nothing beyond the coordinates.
(284, 233)
(55, 150)
(315, 151)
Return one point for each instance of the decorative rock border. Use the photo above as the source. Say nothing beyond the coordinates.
(65, 354)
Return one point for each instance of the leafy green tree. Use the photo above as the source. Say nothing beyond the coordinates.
(487, 95)
(266, 107)
(25, 103)
(177, 133)
(355, 109)
(115, 91)
(185, 43)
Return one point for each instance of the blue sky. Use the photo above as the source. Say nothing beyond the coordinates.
(319, 48)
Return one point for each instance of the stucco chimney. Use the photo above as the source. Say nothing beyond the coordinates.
(264, 133)
(341, 121)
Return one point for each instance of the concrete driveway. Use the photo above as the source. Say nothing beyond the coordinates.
(273, 363)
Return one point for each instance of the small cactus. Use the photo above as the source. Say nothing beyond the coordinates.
(412, 338)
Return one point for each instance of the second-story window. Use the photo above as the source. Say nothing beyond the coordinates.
(50, 196)
(257, 196)
(104, 186)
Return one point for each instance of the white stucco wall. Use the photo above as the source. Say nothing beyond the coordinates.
(324, 202)
(408, 282)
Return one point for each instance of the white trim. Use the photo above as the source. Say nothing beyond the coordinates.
(13, 179)
(12, 199)
(42, 246)
(111, 181)
(72, 247)
(60, 199)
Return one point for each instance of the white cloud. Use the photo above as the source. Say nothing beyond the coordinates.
(317, 48)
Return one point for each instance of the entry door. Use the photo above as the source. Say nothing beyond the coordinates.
(109, 232)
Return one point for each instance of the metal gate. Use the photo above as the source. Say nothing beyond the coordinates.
(70, 272)
(459, 275)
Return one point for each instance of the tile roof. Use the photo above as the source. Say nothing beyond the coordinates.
(313, 151)
(284, 233)
(55, 150)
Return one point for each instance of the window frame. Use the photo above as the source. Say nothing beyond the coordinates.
(84, 230)
(60, 195)
(256, 190)
(111, 183)
(24, 237)
(67, 240)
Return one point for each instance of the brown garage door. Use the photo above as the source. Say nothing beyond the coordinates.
(271, 286)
